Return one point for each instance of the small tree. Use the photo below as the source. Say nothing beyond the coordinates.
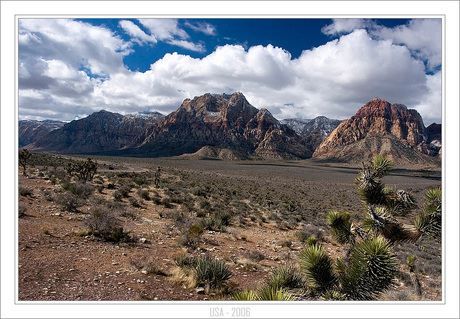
(157, 177)
(24, 156)
(84, 170)
(368, 265)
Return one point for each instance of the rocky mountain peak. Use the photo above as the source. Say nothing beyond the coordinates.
(380, 120)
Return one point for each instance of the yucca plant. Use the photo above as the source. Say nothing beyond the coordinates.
(371, 270)
(317, 266)
(341, 226)
(273, 294)
(429, 221)
(369, 266)
(245, 295)
(266, 293)
(212, 272)
(286, 276)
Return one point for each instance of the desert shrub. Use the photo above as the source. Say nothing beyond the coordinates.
(25, 191)
(217, 221)
(46, 194)
(69, 201)
(103, 223)
(79, 189)
(117, 196)
(206, 270)
(22, 211)
(124, 190)
(166, 202)
(191, 237)
(185, 261)
(254, 255)
(287, 276)
(312, 240)
(211, 272)
(135, 202)
(285, 243)
(149, 266)
(140, 180)
(143, 193)
(205, 204)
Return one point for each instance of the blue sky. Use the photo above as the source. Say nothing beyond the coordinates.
(293, 67)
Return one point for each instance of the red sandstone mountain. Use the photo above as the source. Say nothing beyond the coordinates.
(223, 122)
(378, 127)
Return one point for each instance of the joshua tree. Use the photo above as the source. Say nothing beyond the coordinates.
(157, 177)
(24, 156)
(368, 265)
(85, 170)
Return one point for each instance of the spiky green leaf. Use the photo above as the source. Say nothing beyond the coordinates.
(317, 267)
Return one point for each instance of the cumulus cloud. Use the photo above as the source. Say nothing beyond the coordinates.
(202, 27)
(164, 29)
(341, 26)
(136, 33)
(167, 30)
(334, 79)
(421, 36)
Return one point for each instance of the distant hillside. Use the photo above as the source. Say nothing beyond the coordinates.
(99, 132)
(378, 128)
(304, 127)
(224, 122)
(30, 131)
(228, 127)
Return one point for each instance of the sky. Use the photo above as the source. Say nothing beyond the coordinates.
(303, 68)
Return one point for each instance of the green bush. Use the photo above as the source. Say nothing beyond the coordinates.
(69, 201)
(317, 266)
(143, 193)
(286, 276)
(266, 293)
(103, 223)
(185, 261)
(25, 191)
(211, 272)
(78, 189)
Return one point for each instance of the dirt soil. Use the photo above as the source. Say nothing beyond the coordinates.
(57, 260)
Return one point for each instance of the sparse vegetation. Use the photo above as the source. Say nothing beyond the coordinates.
(369, 266)
(104, 223)
(24, 156)
(216, 233)
(84, 170)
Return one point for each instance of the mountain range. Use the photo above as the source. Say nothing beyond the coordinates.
(229, 127)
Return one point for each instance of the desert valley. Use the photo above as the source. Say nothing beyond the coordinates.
(220, 200)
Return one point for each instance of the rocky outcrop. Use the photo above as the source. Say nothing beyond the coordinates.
(223, 122)
(30, 131)
(100, 132)
(377, 128)
(305, 127)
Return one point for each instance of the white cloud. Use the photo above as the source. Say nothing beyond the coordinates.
(202, 27)
(341, 26)
(136, 32)
(421, 36)
(334, 79)
(197, 47)
(164, 29)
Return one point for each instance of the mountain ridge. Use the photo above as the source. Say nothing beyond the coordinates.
(223, 126)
